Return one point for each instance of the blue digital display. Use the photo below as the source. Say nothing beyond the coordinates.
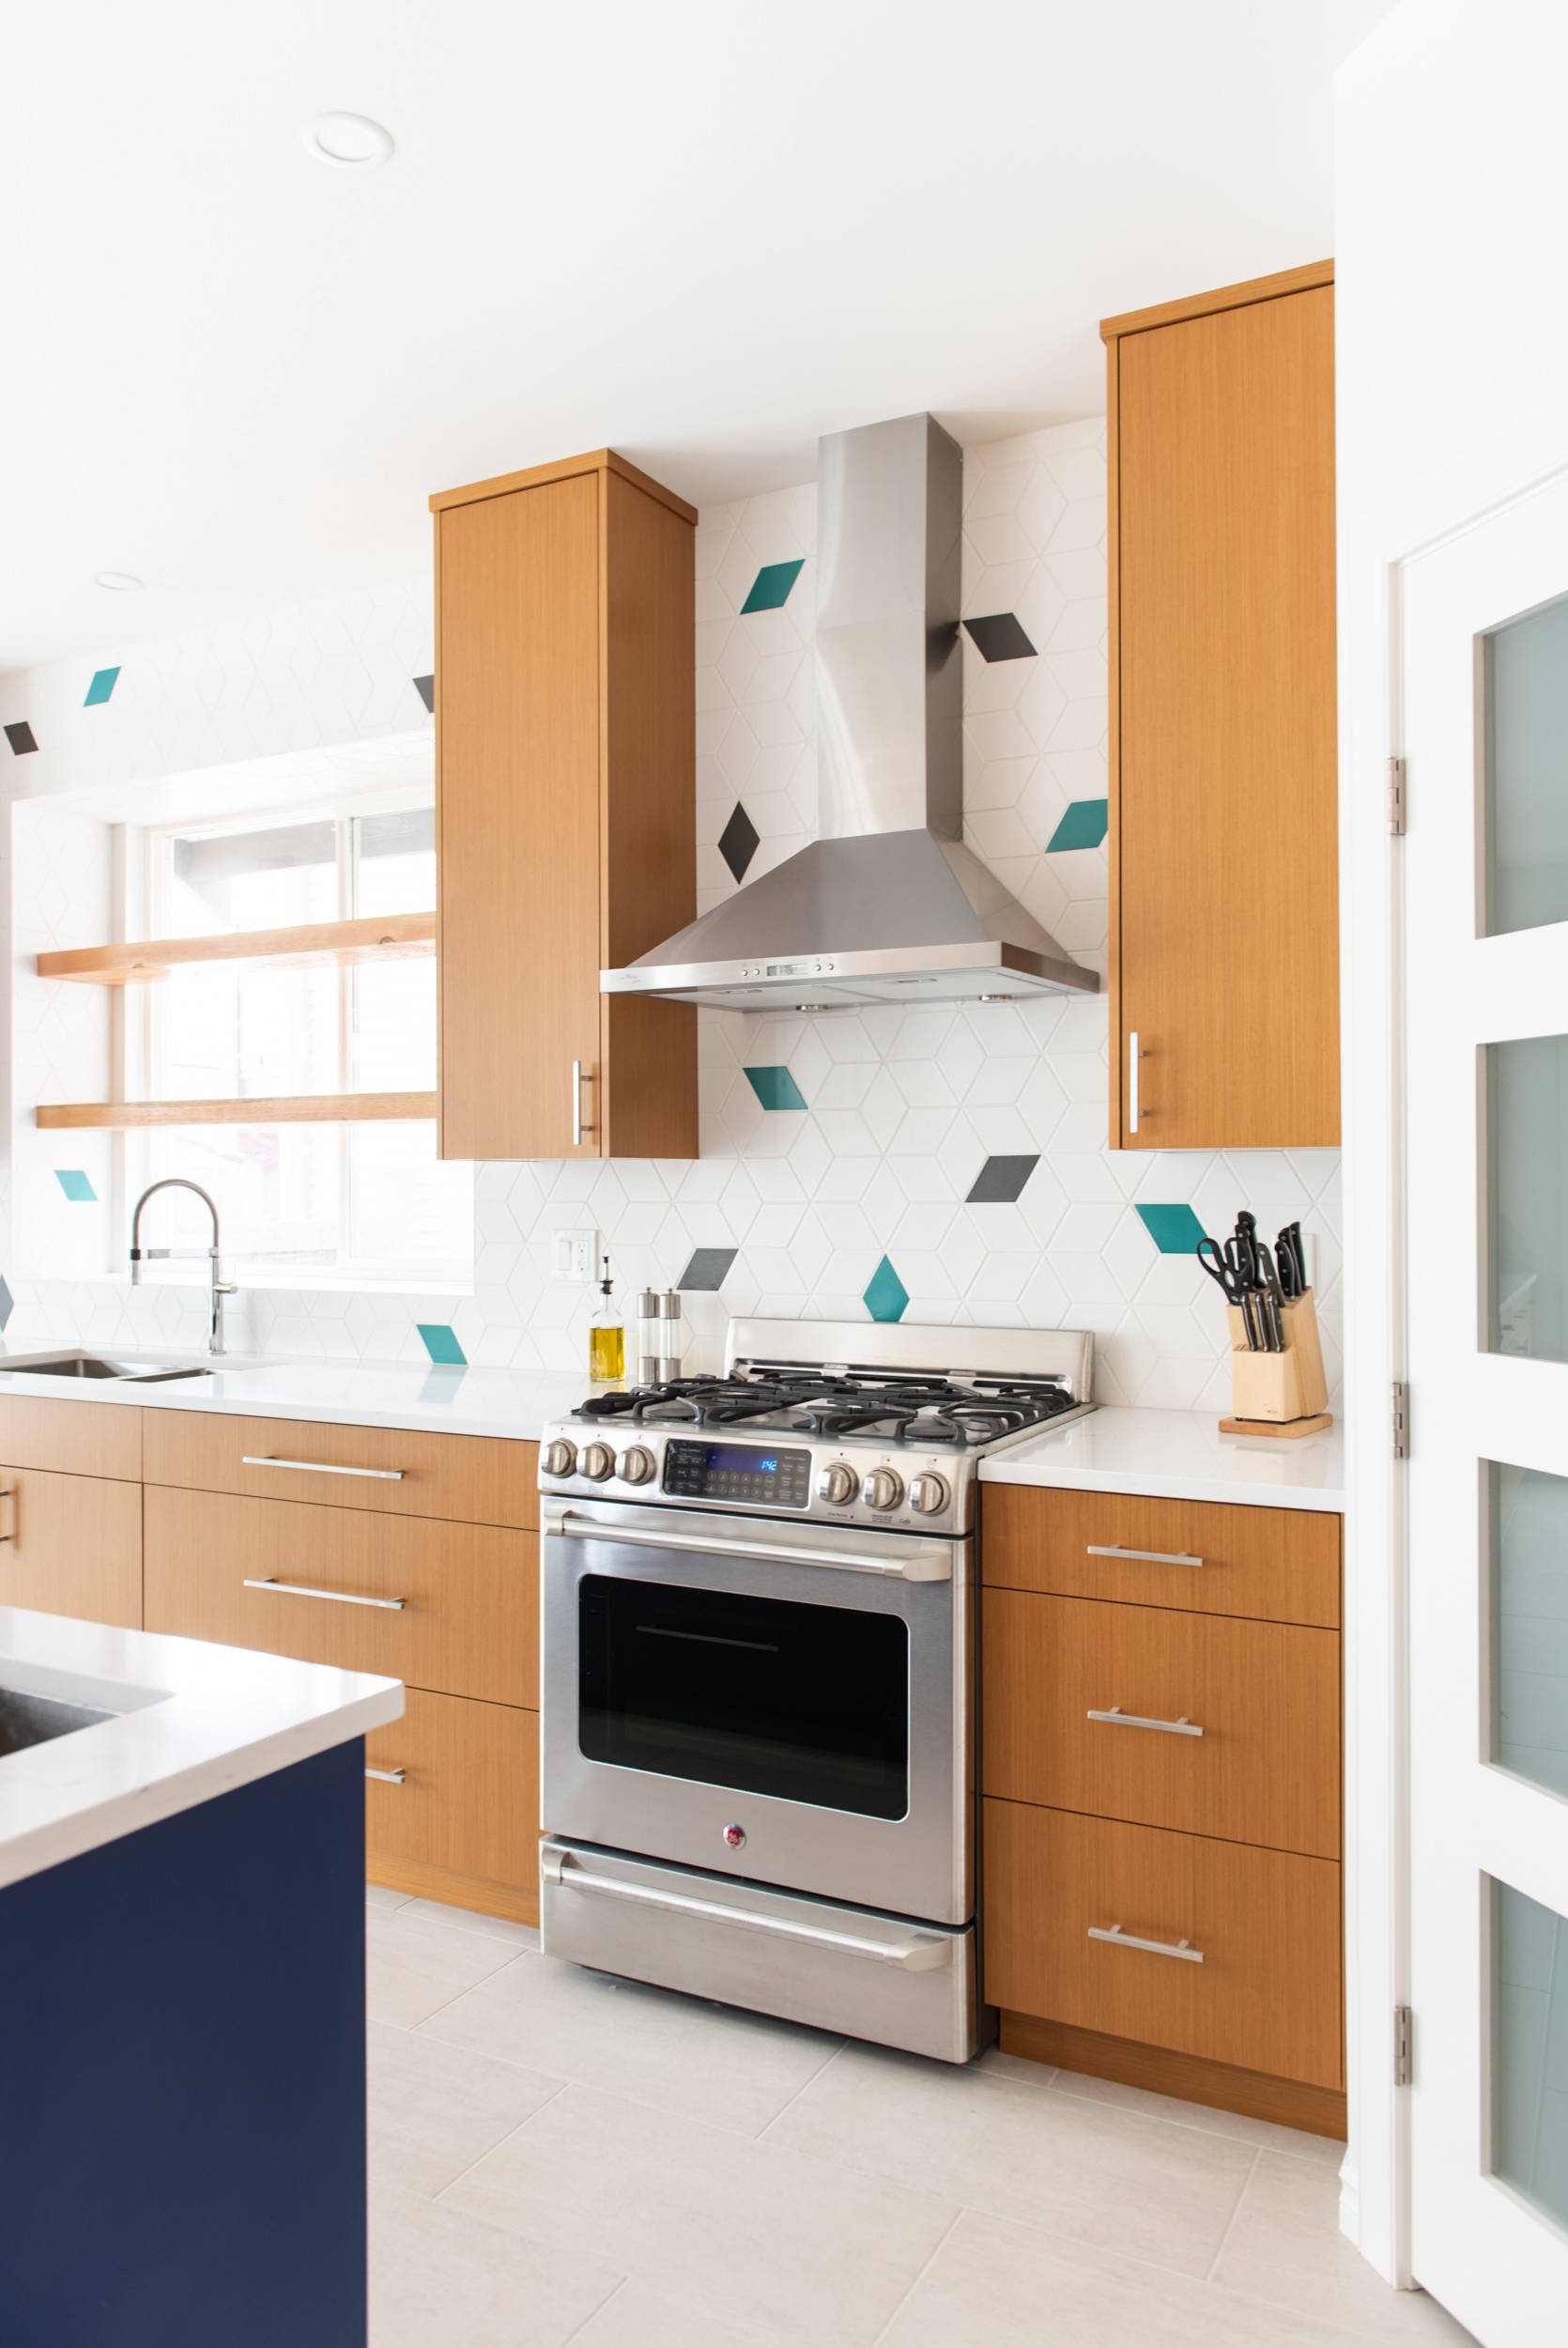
(725, 1462)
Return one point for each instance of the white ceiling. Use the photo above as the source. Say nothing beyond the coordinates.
(703, 231)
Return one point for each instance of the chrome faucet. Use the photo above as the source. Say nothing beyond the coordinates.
(139, 1255)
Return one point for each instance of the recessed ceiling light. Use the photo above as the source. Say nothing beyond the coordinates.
(119, 582)
(352, 141)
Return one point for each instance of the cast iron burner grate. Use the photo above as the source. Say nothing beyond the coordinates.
(926, 1408)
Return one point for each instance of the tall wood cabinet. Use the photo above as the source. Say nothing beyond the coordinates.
(566, 809)
(1223, 841)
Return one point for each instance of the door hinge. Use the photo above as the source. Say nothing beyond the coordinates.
(1402, 2062)
(1396, 798)
(1401, 1419)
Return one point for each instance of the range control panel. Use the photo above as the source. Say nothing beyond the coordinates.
(764, 1475)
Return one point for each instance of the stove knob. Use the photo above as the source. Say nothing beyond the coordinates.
(882, 1490)
(560, 1458)
(636, 1466)
(838, 1485)
(928, 1495)
(595, 1460)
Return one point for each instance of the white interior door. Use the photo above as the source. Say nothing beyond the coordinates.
(1485, 726)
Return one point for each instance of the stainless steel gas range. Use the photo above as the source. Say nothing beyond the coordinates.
(760, 1669)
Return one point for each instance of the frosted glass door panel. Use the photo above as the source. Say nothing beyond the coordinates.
(1526, 689)
(1527, 1143)
(1530, 2076)
(1530, 1624)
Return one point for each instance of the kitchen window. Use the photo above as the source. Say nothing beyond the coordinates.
(344, 1203)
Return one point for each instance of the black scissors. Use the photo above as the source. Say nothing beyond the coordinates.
(1231, 1269)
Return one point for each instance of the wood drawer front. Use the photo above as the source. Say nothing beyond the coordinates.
(470, 1479)
(74, 1546)
(1277, 1564)
(468, 1624)
(1266, 1694)
(72, 1438)
(469, 1803)
(1267, 1995)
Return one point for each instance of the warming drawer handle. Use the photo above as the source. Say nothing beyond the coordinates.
(323, 1467)
(1155, 1947)
(1184, 1727)
(927, 1567)
(303, 1589)
(1146, 1556)
(919, 1956)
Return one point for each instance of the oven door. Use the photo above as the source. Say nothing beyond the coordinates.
(787, 1703)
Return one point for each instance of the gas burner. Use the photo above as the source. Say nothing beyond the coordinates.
(920, 1408)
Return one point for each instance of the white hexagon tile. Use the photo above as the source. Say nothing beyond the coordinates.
(964, 1149)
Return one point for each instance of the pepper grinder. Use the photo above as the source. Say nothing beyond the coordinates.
(659, 1337)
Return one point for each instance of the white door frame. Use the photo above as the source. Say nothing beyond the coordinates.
(1378, 535)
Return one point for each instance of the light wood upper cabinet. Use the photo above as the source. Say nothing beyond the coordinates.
(1224, 859)
(565, 811)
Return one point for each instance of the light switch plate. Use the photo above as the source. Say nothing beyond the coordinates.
(575, 1256)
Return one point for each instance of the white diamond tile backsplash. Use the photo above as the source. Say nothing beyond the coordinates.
(892, 1115)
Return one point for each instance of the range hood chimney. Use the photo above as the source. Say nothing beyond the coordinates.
(887, 905)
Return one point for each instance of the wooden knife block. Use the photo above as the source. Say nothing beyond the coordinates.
(1273, 1389)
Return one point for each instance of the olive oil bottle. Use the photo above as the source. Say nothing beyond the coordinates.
(606, 1338)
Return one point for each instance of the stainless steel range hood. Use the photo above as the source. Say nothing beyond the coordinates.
(887, 905)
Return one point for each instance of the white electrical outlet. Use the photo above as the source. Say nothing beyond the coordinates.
(576, 1254)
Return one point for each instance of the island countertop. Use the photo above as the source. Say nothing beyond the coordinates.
(1178, 1455)
(190, 1720)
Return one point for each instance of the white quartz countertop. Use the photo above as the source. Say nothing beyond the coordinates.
(1178, 1455)
(190, 1720)
(438, 1400)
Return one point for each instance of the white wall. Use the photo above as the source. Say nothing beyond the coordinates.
(902, 1109)
(1452, 371)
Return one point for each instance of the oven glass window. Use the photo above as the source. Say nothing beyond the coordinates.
(810, 1703)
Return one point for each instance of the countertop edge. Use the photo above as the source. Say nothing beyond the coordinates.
(1324, 1500)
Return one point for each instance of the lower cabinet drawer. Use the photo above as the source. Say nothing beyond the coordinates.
(1266, 1996)
(452, 1607)
(460, 1796)
(1265, 1695)
(71, 1545)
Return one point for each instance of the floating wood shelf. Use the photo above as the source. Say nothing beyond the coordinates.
(299, 1109)
(384, 937)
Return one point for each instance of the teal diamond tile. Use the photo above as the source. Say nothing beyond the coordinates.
(771, 587)
(1084, 825)
(100, 688)
(775, 1087)
(885, 1297)
(74, 1183)
(1175, 1230)
(441, 1342)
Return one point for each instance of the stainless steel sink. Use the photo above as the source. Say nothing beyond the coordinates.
(27, 1720)
(98, 1365)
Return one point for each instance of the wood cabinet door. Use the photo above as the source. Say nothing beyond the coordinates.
(1224, 861)
(71, 1545)
(1264, 1696)
(1257, 1984)
(519, 847)
(452, 1803)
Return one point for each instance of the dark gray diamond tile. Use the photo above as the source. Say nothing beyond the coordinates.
(426, 688)
(1000, 637)
(708, 1268)
(1000, 1180)
(737, 842)
(21, 737)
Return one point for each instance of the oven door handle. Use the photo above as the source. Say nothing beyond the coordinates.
(928, 1565)
(921, 1954)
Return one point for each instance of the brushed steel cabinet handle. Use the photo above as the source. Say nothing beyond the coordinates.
(1144, 1557)
(1183, 1949)
(1184, 1727)
(385, 1777)
(321, 1467)
(919, 1955)
(1134, 1057)
(303, 1589)
(576, 1104)
(10, 1493)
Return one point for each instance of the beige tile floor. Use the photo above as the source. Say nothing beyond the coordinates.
(559, 2156)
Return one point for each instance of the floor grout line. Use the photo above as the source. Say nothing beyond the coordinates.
(577, 2330)
(1230, 2222)
(916, 2281)
(826, 2064)
(516, 2129)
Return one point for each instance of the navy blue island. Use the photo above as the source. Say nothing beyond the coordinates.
(182, 2041)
